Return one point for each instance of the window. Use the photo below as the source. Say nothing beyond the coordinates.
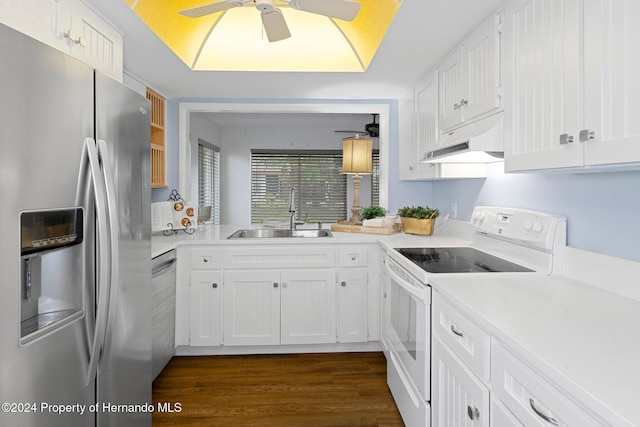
(209, 178)
(316, 176)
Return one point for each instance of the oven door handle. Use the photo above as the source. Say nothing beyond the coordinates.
(414, 290)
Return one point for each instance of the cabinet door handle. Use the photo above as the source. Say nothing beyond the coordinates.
(542, 414)
(455, 331)
(586, 135)
(565, 138)
(462, 103)
(473, 413)
(343, 283)
(214, 285)
(275, 284)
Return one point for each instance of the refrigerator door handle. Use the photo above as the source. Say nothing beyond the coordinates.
(114, 253)
(91, 157)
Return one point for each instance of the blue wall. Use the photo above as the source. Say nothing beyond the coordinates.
(602, 208)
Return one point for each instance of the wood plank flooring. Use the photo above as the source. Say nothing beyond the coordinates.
(310, 390)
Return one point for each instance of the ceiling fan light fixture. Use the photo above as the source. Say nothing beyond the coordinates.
(265, 6)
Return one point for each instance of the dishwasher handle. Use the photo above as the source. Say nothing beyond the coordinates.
(162, 263)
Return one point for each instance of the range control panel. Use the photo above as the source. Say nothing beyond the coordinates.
(533, 228)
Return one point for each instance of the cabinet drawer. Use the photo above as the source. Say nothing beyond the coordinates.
(206, 259)
(533, 400)
(292, 256)
(471, 344)
(353, 256)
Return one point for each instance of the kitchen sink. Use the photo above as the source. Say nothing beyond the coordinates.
(278, 233)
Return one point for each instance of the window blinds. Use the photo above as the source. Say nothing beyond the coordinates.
(209, 178)
(321, 187)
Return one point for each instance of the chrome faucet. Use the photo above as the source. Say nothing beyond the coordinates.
(292, 210)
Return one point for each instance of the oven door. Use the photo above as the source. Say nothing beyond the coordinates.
(408, 325)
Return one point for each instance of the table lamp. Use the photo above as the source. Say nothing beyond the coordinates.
(356, 160)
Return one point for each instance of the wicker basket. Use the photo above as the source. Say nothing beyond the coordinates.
(422, 227)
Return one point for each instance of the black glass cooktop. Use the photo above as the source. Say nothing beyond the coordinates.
(459, 260)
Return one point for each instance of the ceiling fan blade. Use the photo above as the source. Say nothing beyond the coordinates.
(341, 9)
(208, 9)
(275, 26)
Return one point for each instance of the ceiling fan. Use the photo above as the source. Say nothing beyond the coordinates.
(274, 24)
(371, 129)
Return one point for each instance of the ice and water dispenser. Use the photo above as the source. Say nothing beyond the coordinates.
(52, 267)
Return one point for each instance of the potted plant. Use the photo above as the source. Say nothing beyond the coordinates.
(418, 220)
(371, 212)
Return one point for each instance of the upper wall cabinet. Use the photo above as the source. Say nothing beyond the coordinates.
(470, 80)
(69, 26)
(418, 113)
(572, 91)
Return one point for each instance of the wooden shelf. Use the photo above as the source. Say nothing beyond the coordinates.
(158, 140)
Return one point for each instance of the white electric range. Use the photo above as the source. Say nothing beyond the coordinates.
(505, 240)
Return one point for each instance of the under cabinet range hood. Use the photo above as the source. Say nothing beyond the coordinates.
(477, 142)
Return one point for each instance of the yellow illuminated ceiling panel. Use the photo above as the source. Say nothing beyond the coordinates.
(234, 40)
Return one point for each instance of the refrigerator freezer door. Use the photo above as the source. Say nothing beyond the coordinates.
(46, 111)
(123, 135)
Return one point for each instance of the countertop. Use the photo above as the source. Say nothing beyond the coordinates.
(586, 338)
(451, 233)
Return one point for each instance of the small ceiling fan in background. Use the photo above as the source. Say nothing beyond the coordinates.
(371, 129)
(274, 24)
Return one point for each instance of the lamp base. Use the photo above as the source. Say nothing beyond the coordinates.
(356, 219)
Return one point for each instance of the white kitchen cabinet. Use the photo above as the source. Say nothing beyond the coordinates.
(308, 307)
(36, 18)
(409, 154)
(352, 306)
(571, 91)
(204, 297)
(94, 41)
(206, 308)
(251, 309)
(531, 398)
(470, 78)
(542, 84)
(611, 130)
(464, 337)
(271, 307)
(418, 121)
(70, 26)
(458, 397)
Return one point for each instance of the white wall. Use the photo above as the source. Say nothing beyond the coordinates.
(235, 156)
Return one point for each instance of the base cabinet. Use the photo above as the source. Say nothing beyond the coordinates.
(508, 393)
(352, 306)
(251, 312)
(206, 304)
(532, 400)
(272, 295)
(459, 398)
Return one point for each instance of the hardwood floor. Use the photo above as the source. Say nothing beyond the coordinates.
(310, 390)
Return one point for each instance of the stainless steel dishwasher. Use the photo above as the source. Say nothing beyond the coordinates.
(163, 315)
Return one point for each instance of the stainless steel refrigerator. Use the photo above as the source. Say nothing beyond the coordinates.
(75, 282)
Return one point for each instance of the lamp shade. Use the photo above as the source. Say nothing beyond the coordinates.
(356, 155)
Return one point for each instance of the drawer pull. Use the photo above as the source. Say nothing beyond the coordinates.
(214, 285)
(473, 413)
(205, 260)
(275, 284)
(541, 414)
(455, 331)
(343, 283)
